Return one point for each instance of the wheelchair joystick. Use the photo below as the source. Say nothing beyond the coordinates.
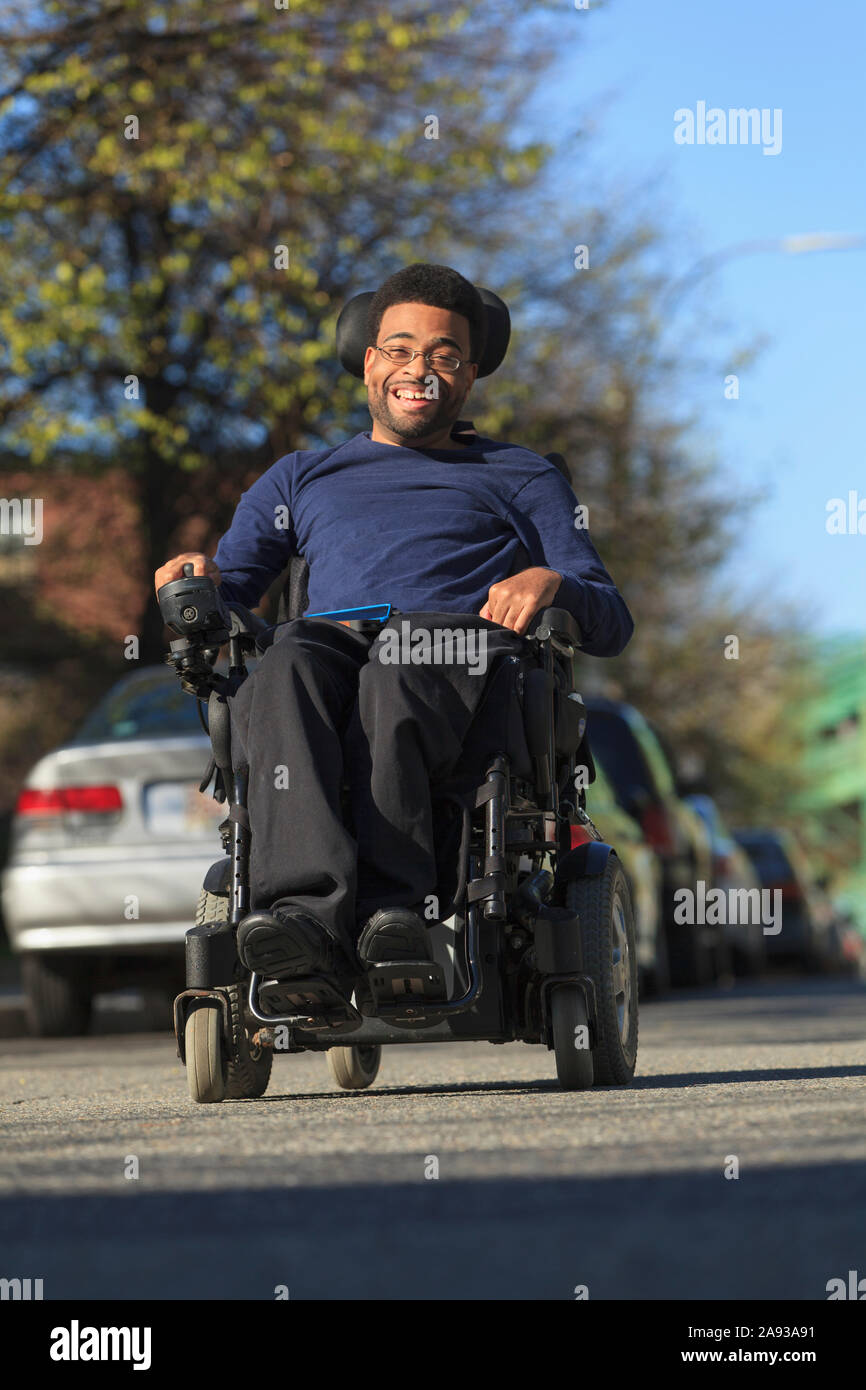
(193, 608)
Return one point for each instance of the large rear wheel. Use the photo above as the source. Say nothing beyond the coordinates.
(247, 1066)
(603, 904)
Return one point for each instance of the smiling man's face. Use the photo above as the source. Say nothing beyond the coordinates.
(420, 423)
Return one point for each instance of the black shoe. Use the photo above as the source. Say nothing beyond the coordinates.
(393, 934)
(289, 943)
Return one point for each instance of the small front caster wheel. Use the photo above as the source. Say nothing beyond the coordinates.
(205, 1063)
(354, 1068)
(571, 1041)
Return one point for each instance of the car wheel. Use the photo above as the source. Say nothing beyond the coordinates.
(657, 979)
(58, 997)
(691, 958)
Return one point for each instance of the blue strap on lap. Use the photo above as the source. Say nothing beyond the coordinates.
(373, 612)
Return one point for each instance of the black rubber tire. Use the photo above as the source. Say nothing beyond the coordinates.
(658, 977)
(205, 1061)
(158, 1009)
(603, 903)
(211, 908)
(748, 965)
(574, 1065)
(58, 998)
(355, 1068)
(247, 1068)
(723, 963)
(692, 961)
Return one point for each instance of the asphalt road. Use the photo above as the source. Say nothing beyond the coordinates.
(538, 1191)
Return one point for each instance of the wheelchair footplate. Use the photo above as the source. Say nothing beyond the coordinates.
(309, 1001)
(410, 981)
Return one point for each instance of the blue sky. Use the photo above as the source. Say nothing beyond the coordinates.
(799, 426)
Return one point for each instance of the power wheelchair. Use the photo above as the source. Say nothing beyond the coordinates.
(538, 941)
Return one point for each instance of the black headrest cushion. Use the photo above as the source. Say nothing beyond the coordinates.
(352, 333)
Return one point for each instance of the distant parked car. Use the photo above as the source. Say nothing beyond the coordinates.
(734, 873)
(110, 841)
(644, 875)
(808, 934)
(848, 944)
(629, 752)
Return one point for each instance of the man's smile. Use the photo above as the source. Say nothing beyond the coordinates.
(412, 398)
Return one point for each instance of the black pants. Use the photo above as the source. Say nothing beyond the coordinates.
(327, 705)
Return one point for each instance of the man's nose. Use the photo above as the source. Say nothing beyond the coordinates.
(418, 368)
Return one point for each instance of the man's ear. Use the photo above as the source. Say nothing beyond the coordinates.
(368, 358)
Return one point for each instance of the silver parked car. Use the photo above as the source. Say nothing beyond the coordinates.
(110, 841)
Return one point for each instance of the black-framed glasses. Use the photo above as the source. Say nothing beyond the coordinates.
(401, 356)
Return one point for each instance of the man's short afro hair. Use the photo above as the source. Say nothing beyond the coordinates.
(438, 285)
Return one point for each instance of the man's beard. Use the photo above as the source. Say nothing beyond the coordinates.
(410, 426)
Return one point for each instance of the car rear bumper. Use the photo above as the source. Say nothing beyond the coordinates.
(149, 937)
(117, 905)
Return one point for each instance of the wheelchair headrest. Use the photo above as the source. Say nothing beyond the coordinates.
(352, 342)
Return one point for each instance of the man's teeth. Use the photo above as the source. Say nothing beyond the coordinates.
(411, 395)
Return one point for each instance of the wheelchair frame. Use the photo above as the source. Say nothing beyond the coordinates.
(509, 927)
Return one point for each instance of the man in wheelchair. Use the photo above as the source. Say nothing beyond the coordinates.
(343, 730)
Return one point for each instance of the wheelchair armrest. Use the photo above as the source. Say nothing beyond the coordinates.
(557, 626)
(250, 625)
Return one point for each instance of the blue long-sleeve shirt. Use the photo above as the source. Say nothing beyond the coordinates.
(427, 530)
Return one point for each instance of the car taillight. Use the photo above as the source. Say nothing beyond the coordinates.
(60, 800)
(579, 835)
(788, 887)
(656, 826)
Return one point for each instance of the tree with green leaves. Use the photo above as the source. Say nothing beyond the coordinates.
(189, 194)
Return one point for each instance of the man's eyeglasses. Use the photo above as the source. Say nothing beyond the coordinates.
(439, 361)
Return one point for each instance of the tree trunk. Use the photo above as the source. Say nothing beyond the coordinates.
(158, 493)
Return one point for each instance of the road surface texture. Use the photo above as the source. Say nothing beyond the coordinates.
(538, 1191)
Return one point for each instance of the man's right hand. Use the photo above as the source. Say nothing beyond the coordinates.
(173, 569)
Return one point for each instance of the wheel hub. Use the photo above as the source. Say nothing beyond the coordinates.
(621, 963)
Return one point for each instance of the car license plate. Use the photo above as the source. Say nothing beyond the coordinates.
(179, 808)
